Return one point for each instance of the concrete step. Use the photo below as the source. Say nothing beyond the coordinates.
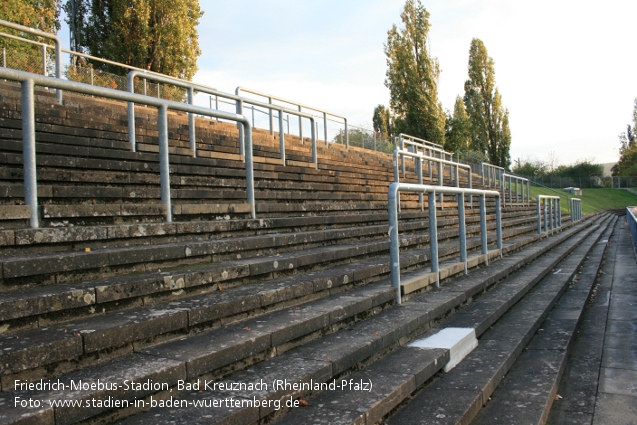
(307, 367)
(458, 396)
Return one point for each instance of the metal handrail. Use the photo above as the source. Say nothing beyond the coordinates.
(632, 225)
(29, 80)
(419, 157)
(299, 106)
(56, 41)
(575, 207)
(406, 139)
(192, 87)
(493, 173)
(394, 247)
(548, 207)
(526, 188)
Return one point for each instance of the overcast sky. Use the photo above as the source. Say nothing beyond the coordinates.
(566, 69)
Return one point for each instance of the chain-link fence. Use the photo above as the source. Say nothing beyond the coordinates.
(29, 59)
(585, 182)
(84, 72)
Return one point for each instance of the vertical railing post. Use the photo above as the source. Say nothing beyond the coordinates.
(394, 249)
(4, 57)
(419, 175)
(463, 231)
(44, 72)
(346, 134)
(544, 214)
(441, 183)
(300, 125)
(483, 229)
(28, 152)
(247, 141)
(241, 127)
(281, 137)
(433, 236)
(314, 154)
(498, 224)
(164, 163)
(271, 117)
(539, 215)
(191, 123)
(325, 127)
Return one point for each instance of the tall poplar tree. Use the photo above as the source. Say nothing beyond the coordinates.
(412, 76)
(489, 120)
(156, 35)
(458, 134)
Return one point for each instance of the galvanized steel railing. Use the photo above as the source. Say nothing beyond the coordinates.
(419, 158)
(28, 82)
(575, 207)
(192, 87)
(548, 212)
(492, 175)
(631, 218)
(513, 182)
(300, 106)
(394, 250)
(425, 145)
(56, 41)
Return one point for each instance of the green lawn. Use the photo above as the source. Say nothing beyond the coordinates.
(593, 200)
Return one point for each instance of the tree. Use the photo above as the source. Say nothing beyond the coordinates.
(458, 128)
(156, 35)
(39, 14)
(627, 164)
(489, 120)
(382, 122)
(412, 77)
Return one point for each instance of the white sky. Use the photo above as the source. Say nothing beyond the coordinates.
(566, 69)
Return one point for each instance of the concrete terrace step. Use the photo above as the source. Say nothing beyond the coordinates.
(344, 351)
(456, 397)
(38, 352)
(47, 304)
(74, 266)
(527, 392)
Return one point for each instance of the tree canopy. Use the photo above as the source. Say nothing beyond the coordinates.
(412, 76)
(458, 128)
(490, 131)
(627, 164)
(156, 35)
(39, 14)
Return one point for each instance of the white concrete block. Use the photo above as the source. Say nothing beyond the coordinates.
(459, 341)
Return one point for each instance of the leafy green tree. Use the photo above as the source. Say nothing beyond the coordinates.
(458, 128)
(157, 35)
(412, 76)
(382, 122)
(39, 14)
(489, 120)
(531, 168)
(627, 164)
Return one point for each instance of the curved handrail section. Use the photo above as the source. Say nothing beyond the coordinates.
(394, 246)
(192, 87)
(549, 213)
(29, 80)
(515, 183)
(300, 106)
(56, 41)
(419, 157)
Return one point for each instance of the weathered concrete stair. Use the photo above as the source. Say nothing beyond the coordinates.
(360, 343)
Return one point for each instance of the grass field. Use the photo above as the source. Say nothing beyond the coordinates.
(593, 200)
